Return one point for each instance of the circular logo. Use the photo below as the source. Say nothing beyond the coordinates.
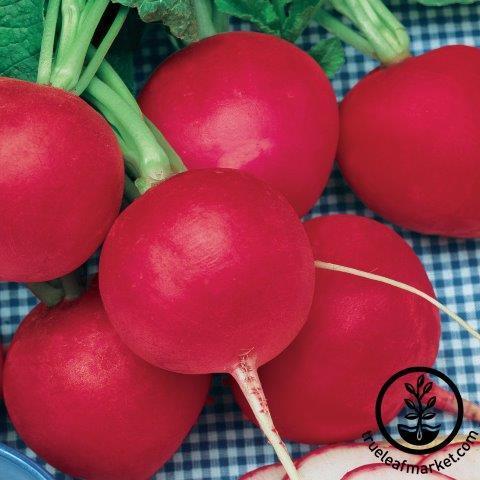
(418, 428)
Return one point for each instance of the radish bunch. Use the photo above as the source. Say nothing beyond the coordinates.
(210, 270)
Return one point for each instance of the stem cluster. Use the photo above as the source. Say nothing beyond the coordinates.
(378, 32)
(69, 61)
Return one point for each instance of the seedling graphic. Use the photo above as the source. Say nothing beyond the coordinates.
(420, 410)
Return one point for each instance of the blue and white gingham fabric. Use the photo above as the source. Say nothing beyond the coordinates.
(223, 446)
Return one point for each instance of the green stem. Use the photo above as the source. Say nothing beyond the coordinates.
(175, 161)
(102, 50)
(204, 15)
(152, 164)
(67, 73)
(71, 14)
(71, 286)
(48, 40)
(108, 75)
(386, 35)
(279, 7)
(46, 293)
(176, 42)
(344, 33)
(221, 21)
(131, 155)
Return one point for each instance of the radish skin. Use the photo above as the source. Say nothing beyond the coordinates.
(83, 402)
(333, 462)
(262, 106)
(210, 271)
(61, 182)
(401, 152)
(323, 387)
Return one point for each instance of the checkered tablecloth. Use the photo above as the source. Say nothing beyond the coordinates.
(223, 446)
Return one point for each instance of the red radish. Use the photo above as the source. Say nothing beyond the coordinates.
(334, 462)
(386, 472)
(249, 101)
(463, 459)
(82, 401)
(269, 472)
(210, 271)
(401, 152)
(323, 387)
(61, 182)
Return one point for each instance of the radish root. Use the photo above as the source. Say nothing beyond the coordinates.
(403, 286)
(447, 402)
(246, 376)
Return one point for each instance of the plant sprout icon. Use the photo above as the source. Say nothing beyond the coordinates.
(421, 411)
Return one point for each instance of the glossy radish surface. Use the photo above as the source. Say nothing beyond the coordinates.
(270, 472)
(334, 462)
(61, 181)
(467, 456)
(410, 142)
(323, 387)
(249, 101)
(83, 402)
(386, 472)
(210, 271)
(206, 268)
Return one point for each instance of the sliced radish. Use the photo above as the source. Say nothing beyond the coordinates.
(334, 462)
(466, 467)
(386, 472)
(269, 472)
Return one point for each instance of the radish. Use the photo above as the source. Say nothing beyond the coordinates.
(399, 149)
(61, 181)
(62, 163)
(334, 462)
(269, 472)
(463, 459)
(248, 101)
(401, 153)
(210, 271)
(386, 472)
(359, 333)
(82, 401)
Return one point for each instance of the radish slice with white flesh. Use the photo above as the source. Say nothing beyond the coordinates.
(466, 467)
(379, 471)
(269, 472)
(333, 462)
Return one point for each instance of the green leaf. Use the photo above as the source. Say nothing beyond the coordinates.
(442, 3)
(299, 15)
(261, 13)
(21, 28)
(177, 15)
(329, 54)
